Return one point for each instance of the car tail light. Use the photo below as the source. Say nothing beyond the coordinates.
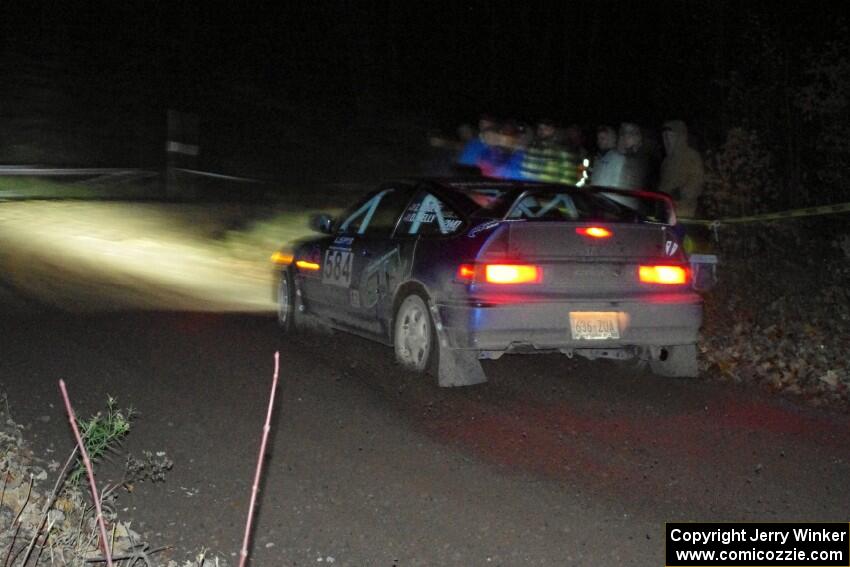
(668, 275)
(500, 273)
(466, 272)
(594, 232)
(511, 273)
(305, 265)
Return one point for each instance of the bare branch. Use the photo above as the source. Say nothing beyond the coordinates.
(72, 418)
(256, 487)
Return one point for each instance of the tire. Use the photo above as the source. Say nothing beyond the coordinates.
(414, 336)
(286, 302)
(679, 361)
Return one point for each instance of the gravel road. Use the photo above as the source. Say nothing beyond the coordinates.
(553, 462)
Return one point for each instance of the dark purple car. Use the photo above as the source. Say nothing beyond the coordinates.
(452, 271)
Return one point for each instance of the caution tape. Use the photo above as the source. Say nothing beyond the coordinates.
(795, 213)
(219, 175)
(18, 170)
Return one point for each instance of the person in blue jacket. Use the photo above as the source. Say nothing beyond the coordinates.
(471, 153)
(503, 156)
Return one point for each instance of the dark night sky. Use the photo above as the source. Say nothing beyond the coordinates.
(337, 63)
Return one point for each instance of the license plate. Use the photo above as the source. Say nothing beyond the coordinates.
(594, 325)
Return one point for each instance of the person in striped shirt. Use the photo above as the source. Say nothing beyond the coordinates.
(545, 159)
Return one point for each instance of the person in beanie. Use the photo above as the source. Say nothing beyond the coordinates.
(636, 167)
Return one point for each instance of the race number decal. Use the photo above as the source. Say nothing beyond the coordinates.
(337, 267)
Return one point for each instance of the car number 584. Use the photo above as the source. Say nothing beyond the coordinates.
(337, 268)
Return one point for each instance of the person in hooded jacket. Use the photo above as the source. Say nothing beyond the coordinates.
(682, 171)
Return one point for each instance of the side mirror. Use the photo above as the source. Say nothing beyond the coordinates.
(323, 223)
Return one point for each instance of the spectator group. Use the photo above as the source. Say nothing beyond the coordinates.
(624, 158)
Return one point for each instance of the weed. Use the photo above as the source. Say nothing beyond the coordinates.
(102, 433)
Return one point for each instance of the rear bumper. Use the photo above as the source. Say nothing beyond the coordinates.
(658, 321)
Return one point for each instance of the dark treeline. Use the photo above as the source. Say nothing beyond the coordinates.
(83, 84)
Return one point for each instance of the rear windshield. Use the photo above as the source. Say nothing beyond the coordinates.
(557, 205)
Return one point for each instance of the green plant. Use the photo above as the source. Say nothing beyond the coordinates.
(102, 433)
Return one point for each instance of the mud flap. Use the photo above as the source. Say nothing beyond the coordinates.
(679, 361)
(459, 368)
(454, 367)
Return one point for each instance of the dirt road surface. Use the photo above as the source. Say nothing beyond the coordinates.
(553, 462)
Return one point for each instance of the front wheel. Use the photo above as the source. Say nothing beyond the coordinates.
(413, 335)
(286, 302)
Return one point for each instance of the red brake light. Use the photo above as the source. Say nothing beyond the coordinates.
(594, 231)
(668, 275)
(511, 273)
(466, 272)
(500, 273)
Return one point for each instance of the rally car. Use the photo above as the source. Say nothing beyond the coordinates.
(449, 272)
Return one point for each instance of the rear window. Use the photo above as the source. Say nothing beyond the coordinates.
(563, 205)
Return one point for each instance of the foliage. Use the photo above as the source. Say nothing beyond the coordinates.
(824, 102)
(796, 96)
(780, 319)
(102, 433)
(59, 527)
(827, 91)
(739, 176)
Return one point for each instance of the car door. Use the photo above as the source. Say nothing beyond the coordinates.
(355, 261)
(422, 235)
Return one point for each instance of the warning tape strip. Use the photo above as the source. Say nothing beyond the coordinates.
(14, 170)
(795, 213)
(219, 175)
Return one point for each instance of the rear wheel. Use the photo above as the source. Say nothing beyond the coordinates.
(679, 361)
(414, 339)
(286, 302)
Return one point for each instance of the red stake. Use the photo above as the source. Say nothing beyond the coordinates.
(243, 560)
(104, 542)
